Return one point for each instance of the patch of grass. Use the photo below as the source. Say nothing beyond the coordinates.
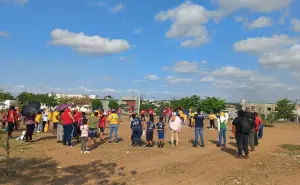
(290, 147)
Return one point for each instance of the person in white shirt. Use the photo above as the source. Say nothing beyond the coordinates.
(84, 128)
(175, 127)
(222, 126)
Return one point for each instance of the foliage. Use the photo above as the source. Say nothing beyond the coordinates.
(25, 97)
(271, 118)
(96, 104)
(5, 96)
(81, 101)
(64, 100)
(146, 106)
(49, 101)
(290, 147)
(285, 109)
(113, 104)
(212, 104)
(5, 144)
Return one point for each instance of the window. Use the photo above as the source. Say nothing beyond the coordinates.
(269, 109)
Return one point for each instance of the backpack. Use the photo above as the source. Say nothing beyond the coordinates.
(245, 127)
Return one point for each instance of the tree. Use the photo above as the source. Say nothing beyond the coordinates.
(25, 97)
(212, 104)
(5, 96)
(81, 101)
(96, 104)
(64, 100)
(146, 106)
(113, 104)
(285, 109)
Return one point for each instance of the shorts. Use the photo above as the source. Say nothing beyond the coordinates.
(101, 129)
(161, 135)
(149, 136)
(11, 126)
(55, 125)
(92, 132)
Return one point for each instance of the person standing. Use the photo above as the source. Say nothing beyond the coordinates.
(11, 120)
(150, 127)
(160, 126)
(30, 125)
(241, 130)
(130, 111)
(76, 126)
(175, 128)
(143, 115)
(170, 114)
(67, 120)
(119, 113)
(257, 126)
(137, 131)
(55, 115)
(199, 118)
(93, 124)
(45, 120)
(38, 121)
(165, 113)
(222, 127)
(251, 119)
(60, 128)
(151, 114)
(102, 123)
(84, 128)
(114, 125)
(212, 118)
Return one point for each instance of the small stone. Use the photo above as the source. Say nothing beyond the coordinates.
(127, 152)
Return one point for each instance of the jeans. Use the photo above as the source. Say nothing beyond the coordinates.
(83, 143)
(60, 132)
(119, 116)
(222, 135)
(29, 132)
(136, 136)
(113, 129)
(67, 134)
(199, 132)
(242, 143)
(260, 131)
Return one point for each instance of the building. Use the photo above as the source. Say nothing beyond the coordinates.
(7, 103)
(260, 108)
(129, 101)
(75, 95)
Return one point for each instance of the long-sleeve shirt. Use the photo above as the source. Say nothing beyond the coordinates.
(175, 124)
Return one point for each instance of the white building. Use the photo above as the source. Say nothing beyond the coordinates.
(74, 95)
(7, 103)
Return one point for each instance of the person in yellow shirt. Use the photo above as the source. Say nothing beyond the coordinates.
(55, 121)
(38, 120)
(113, 120)
(192, 119)
(212, 118)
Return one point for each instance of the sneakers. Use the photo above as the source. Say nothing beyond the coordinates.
(86, 152)
(247, 157)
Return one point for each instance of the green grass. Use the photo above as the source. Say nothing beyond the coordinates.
(290, 147)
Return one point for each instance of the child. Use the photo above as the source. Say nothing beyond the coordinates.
(160, 132)
(102, 123)
(150, 126)
(84, 128)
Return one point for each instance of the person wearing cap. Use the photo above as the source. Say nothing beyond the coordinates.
(114, 123)
(137, 131)
(102, 123)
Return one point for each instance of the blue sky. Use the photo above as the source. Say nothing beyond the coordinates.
(231, 49)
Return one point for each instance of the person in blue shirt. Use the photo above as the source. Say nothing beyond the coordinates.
(137, 131)
(199, 118)
(150, 127)
(160, 127)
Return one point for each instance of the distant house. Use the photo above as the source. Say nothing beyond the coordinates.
(129, 101)
(7, 103)
(74, 95)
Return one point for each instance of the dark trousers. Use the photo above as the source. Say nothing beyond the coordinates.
(136, 136)
(261, 131)
(256, 138)
(252, 138)
(151, 116)
(143, 117)
(242, 143)
(11, 126)
(67, 134)
(212, 123)
(75, 130)
(29, 132)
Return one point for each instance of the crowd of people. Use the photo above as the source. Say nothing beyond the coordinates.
(71, 124)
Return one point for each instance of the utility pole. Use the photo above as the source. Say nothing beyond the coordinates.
(297, 109)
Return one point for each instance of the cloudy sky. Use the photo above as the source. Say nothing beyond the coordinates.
(233, 49)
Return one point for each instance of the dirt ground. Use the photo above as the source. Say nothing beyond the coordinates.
(47, 162)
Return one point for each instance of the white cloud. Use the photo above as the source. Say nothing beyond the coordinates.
(108, 90)
(286, 58)
(88, 44)
(203, 61)
(165, 68)
(228, 6)
(151, 77)
(106, 78)
(223, 83)
(188, 22)
(264, 44)
(117, 7)
(138, 31)
(3, 34)
(18, 2)
(207, 79)
(230, 71)
(186, 67)
(295, 24)
(261, 22)
(173, 80)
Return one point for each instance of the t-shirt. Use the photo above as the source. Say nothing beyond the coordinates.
(150, 126)
(38, 118)
(84, 130)
(237, 123)
(45, 117)
(113, 118)
(77, 117)
(143, 112)
(151, 112)
(136, 124)
(55, 116)
(165, 111)
(66, 119)
(11, 117)
(119, 111)
(212, 117)
(160, 126)
(181, 114)
(93, 122)
(102, 122)
(199, 118)
(170, 112)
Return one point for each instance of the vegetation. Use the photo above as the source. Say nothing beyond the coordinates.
(290, 147)
(285, 109)
(113, 104)
(96, 104)
(4, 95)
(81, 101)
(5, 144)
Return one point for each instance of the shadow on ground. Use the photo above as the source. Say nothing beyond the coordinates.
(47, 171)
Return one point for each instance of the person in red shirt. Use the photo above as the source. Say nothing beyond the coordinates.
(143, 115)
(76, 130)
(11, 120)
(170, 112)
(102, 123)
(257, 125)
(151, 114)
(19, 118)
(165, 113)
(67, 121)
(119, 111)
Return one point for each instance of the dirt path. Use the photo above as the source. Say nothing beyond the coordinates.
(51, 163)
